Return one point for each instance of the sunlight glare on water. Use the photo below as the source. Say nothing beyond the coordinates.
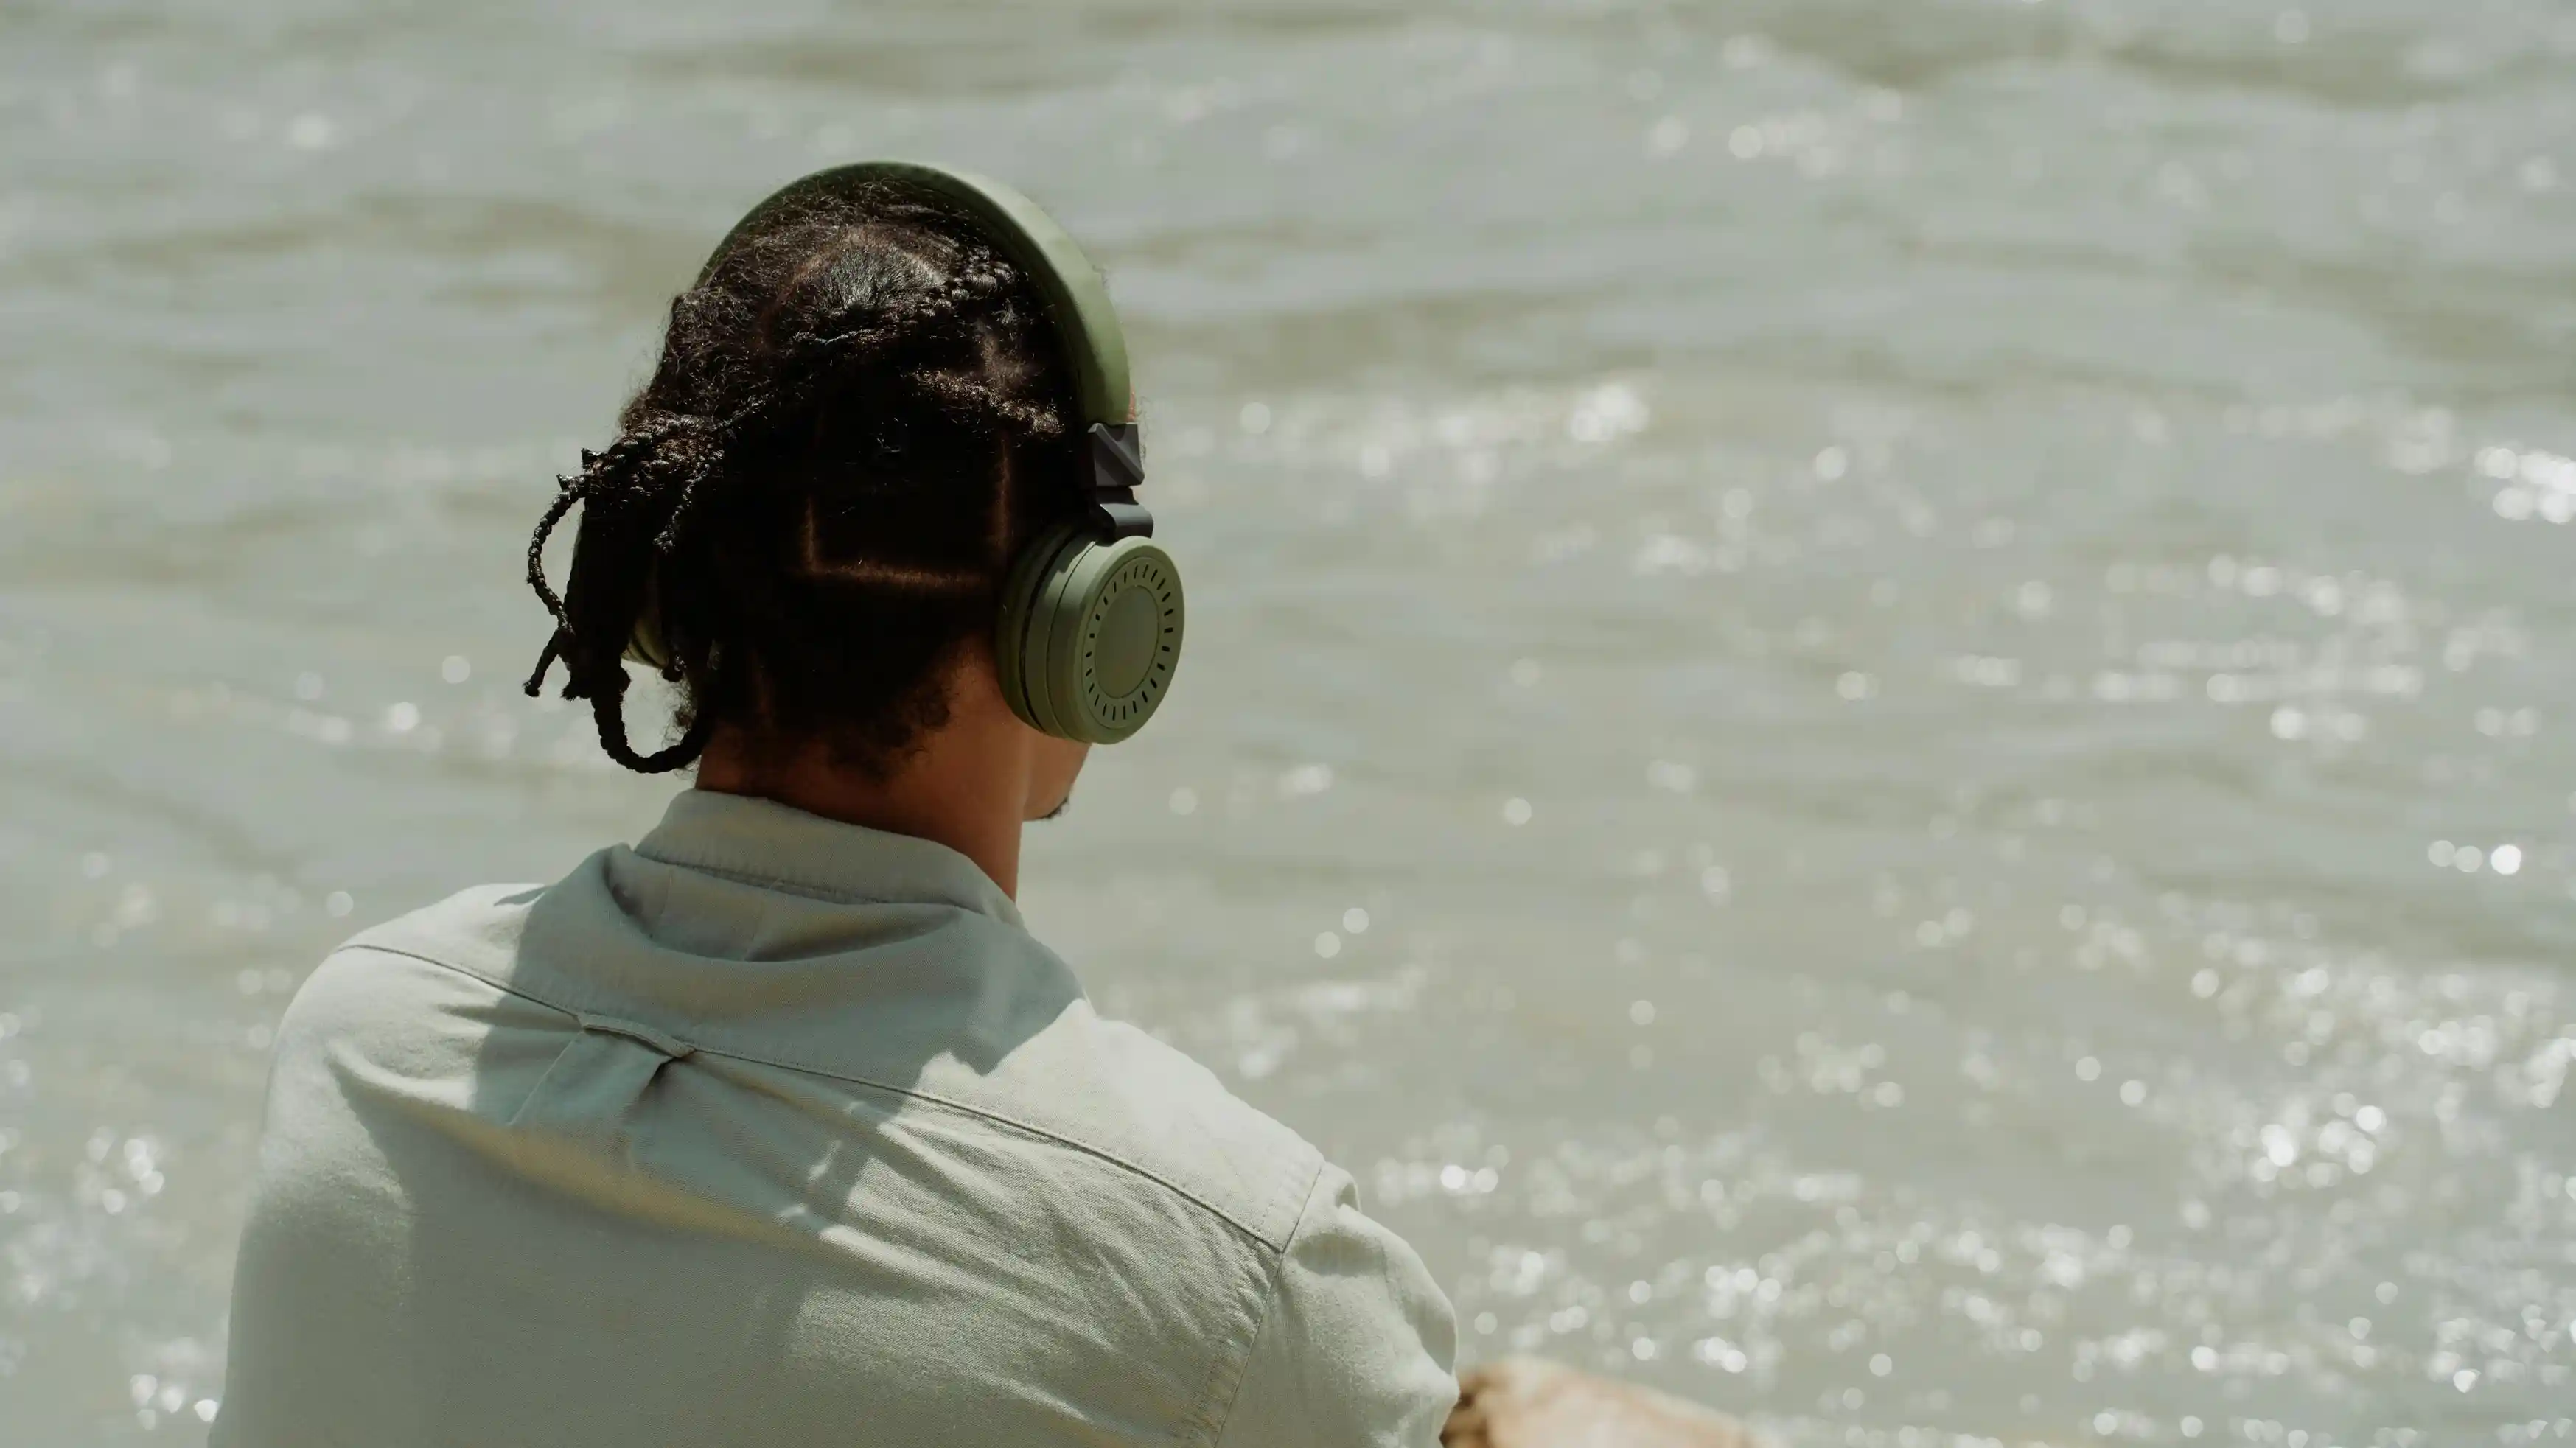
(1878, 712)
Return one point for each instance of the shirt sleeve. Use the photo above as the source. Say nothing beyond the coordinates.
(1358, 1345)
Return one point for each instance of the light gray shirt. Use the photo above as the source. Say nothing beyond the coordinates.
(776, 1131)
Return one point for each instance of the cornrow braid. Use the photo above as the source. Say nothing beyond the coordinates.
(980, 284)
(866, 361)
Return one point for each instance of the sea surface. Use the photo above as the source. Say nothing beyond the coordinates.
(1879, 714)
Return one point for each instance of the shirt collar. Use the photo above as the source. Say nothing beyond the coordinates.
(760, 839)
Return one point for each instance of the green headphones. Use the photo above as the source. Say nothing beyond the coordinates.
(1091, 611)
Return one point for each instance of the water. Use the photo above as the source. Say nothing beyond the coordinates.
(1879, 707)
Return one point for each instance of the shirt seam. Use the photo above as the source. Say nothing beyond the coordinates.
(783, 1063)
(1269, 1299)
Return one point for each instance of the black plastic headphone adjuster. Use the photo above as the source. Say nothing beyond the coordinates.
(1117, 467)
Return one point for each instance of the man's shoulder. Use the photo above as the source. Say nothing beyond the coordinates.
(402, 976)
(477, 926)
(1115, 1088)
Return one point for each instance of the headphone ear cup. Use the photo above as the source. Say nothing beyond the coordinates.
(1108, 619)
(645, 645)
(1019, 634)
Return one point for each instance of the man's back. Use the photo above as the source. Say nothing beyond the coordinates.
(779, 1131)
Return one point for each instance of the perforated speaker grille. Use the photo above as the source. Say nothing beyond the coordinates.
(1130, 641)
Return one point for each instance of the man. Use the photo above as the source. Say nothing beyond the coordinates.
(777, 1128)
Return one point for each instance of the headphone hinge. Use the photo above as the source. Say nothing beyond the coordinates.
(1117, 467)
(1116, 520)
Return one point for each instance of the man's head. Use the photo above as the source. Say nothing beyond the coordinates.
(860, 415)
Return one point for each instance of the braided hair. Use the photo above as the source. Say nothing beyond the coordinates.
(856, 418)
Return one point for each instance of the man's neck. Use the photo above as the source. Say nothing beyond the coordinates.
(956, 790)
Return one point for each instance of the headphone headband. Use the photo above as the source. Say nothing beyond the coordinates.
(1077, 300)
